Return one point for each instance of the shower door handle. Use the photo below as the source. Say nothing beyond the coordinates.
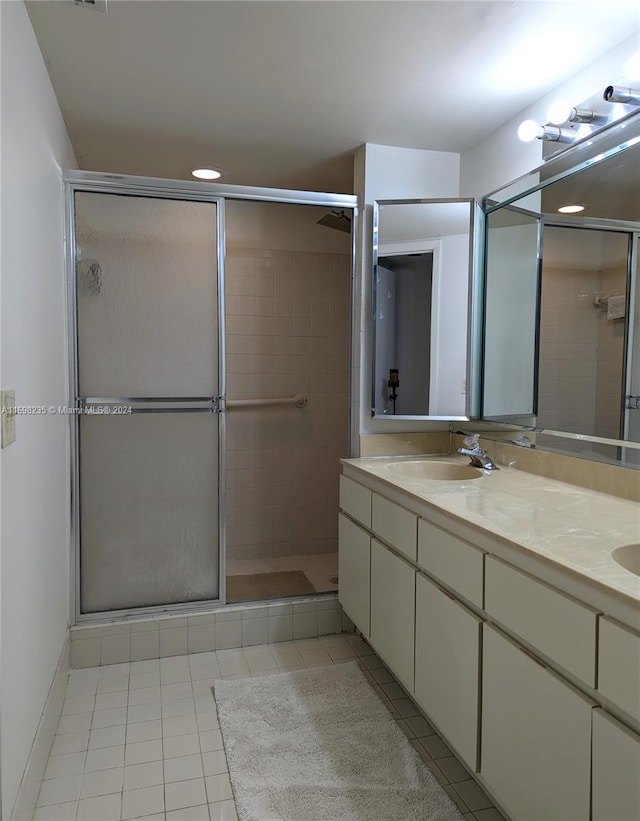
(127, 405)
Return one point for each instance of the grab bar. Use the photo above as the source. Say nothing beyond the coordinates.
(299, 401)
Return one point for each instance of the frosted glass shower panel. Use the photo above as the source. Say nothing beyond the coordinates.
(149, 510)
(146, 296)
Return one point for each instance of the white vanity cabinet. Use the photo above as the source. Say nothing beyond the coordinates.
(533, 683)
(536, 736)
(616, 770)
(393, 595)
(448, 667)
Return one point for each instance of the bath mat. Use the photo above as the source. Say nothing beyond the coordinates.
(276, 585)
(318, 745)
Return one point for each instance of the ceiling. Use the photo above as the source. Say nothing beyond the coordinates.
(281, 93)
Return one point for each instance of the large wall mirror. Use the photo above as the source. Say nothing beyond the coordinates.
(423, 301)
(562, 302)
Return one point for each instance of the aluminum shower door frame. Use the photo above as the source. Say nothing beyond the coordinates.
(97, 182)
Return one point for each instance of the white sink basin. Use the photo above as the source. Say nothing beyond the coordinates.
(628, 557)
(427, 469)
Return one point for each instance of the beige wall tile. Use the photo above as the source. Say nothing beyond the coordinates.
(287, 316)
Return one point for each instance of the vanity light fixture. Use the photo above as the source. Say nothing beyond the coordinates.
(570, 209)
(207, 172)
(529, 130)
(619, 94)
(562, 112)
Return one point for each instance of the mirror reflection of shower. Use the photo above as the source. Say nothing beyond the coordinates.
(583, 330)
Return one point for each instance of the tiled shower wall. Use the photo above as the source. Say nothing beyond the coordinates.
(287, 333)
(581, 349)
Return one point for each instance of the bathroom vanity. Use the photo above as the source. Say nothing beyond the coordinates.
(495, 600)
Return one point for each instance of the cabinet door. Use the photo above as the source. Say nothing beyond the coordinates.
(354, 572)
(393, 587)
(536, 734)
(616, 770)
(447, 667)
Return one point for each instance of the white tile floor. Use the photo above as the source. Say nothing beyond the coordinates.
(142, 740)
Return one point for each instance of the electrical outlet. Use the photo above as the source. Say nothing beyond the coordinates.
(8, 408)
(463, 386)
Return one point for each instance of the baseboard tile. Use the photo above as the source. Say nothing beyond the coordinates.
(198, 632)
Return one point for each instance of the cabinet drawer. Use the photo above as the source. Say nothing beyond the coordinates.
(397, 526)
(354, 572)
(616, 765)
(619, 666)
(452, 561)
(558, 626)
(355, 500)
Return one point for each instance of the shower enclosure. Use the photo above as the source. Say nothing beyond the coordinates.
(190, 313)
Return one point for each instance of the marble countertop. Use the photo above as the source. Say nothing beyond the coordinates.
(569, 526)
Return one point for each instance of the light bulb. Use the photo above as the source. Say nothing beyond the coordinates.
(559, 112)
(529, 130)
(206, 173)
(632, 67)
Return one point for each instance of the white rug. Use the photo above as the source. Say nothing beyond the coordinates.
(318, 745)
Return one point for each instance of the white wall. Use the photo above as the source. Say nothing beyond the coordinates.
(502, 157)
(387, 172)
(34, 491)
(449, 317)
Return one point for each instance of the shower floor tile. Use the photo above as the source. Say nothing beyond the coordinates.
(320, 569)
(173, 766)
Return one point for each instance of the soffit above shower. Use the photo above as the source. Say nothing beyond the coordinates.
(281, 93)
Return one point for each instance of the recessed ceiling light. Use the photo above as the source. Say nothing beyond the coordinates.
(570, 209)
(207, 172)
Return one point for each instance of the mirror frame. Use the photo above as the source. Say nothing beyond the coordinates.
(610, 142)
(474, 307)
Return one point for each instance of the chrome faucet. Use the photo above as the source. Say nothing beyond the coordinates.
(479, 457)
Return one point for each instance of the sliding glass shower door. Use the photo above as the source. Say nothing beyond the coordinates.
(147, 397)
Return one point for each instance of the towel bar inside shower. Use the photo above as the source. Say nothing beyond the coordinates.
(298, 401)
